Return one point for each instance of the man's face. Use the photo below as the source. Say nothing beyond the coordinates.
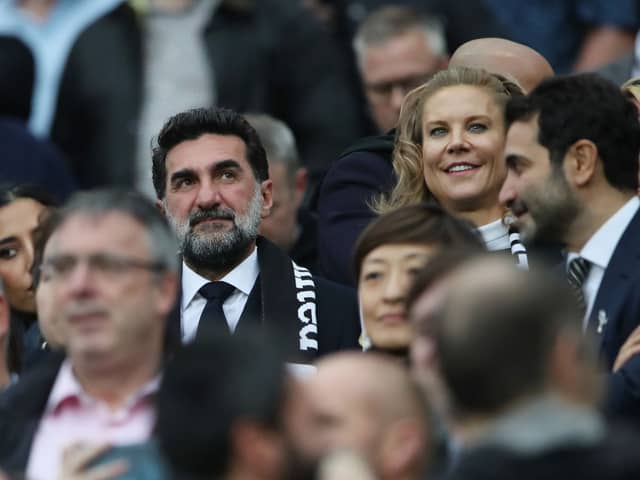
(537, 192)
(391, 69)
(108, 302)
(213, 200)
(281, 226)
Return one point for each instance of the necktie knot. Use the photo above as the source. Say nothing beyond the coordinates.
(216, 291)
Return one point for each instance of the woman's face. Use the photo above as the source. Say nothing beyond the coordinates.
(17, 222)
(462, 148)
(385, 278)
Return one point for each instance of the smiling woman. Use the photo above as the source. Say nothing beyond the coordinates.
(449, 148)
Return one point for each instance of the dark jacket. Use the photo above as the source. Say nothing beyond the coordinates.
(267, 56)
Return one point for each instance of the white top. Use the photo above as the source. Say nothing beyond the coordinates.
(599, 249)
(243, 277)
(495, 236)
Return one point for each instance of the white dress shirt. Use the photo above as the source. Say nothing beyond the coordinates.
(599, 250)
(243, 278)
(495, 236)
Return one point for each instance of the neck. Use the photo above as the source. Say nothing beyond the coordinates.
(597, 209)
(38, 9)
(114, 381)
(170, 6)
(481, 217)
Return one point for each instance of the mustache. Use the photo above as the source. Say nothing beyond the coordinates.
(85, 308)
(211, 214)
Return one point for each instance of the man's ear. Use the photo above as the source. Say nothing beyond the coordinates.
(266, 188)
(160, 206)
(581, 162)
(301, 181)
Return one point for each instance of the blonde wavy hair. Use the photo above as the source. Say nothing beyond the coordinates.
(407, 154)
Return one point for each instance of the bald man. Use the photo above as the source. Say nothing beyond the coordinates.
(506, 58)
(368, 403)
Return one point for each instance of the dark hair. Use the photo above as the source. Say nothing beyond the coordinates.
(493, 345)
(209, 386)
(10, 192)
(588, 107)
(191, 125)
(426, 224)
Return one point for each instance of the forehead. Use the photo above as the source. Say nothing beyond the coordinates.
(105, 232)
(460, 101)
(398, 252)
(205, 151)
(522, 137)
(402, 55)
(19, 217)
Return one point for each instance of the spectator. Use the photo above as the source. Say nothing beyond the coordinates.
(369, 404)
(212, 181)
(397, 49)
(624, 67)
(290, 225)
(5, 372)
(572, 157)
(112, 259)
(228, 409)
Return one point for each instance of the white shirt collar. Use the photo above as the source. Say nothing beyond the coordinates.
(495, 235)
(242, 277)
(600, 247)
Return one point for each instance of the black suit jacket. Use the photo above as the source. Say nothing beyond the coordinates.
(337, 319)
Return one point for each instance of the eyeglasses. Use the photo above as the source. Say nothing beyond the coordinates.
(105, 265)
(382, 91)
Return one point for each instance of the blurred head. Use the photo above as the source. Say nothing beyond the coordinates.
(369, 404)
(450, 142)
(504, 336)
(397, 49)
(20, 210)
(504, 57)
(110, 270)
(572, 141)
(386, 258)
(631, 89)
(211, 175)
(288, 178)
(252, 416)
(5, 367)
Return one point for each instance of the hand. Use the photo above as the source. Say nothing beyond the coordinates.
(630, 347)
(77, 457)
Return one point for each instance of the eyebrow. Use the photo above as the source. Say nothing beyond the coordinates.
(191, 173)
(8, 240)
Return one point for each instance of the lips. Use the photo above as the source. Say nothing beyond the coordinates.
(393, 318)
(518, 208)
(210, 216)
(461, 168)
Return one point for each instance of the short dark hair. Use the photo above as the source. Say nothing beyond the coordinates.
(425, 224)
(493, 346)
(194, 123)
(590, 107)
(217, 382)
(10, 192)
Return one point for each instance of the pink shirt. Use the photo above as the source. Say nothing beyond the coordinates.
(72, 415)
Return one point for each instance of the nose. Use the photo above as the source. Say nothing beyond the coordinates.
(457, 141)
(507, 192)
(208, 195)
(80, 281)
(397, 97)
(396, 286)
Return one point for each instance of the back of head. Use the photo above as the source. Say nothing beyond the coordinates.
(207, 388)
(504, 57)
(192, 124)
(588, 107)
(495, 333)
(390, 22)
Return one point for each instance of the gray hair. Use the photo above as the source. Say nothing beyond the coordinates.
(389, 22)
(162, 242)
(278, 142)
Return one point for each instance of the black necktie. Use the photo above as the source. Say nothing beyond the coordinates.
(576, 275)
(212, 321)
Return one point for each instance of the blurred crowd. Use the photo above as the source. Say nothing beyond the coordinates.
(319, 239)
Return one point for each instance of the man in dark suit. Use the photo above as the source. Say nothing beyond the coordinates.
(572, 157)
(522, 379)
(212, 181)
(111, 271)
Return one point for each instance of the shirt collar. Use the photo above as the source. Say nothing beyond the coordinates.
(67, 387)
(492, 231)
(600, 247)
(242, 277)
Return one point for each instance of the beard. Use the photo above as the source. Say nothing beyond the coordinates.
(212, 247)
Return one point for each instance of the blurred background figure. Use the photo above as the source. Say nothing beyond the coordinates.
(387, 256)
(21, 208)
(625, 67)
(573, 35)
(290, 225)
(105, 75)
(370, 405)
(228, 409)
(5, 371)
(397, 49)
(523, 380)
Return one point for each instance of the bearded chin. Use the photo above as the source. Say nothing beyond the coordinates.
(216, 252)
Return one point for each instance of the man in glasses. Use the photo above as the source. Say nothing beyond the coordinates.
(112, 273)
